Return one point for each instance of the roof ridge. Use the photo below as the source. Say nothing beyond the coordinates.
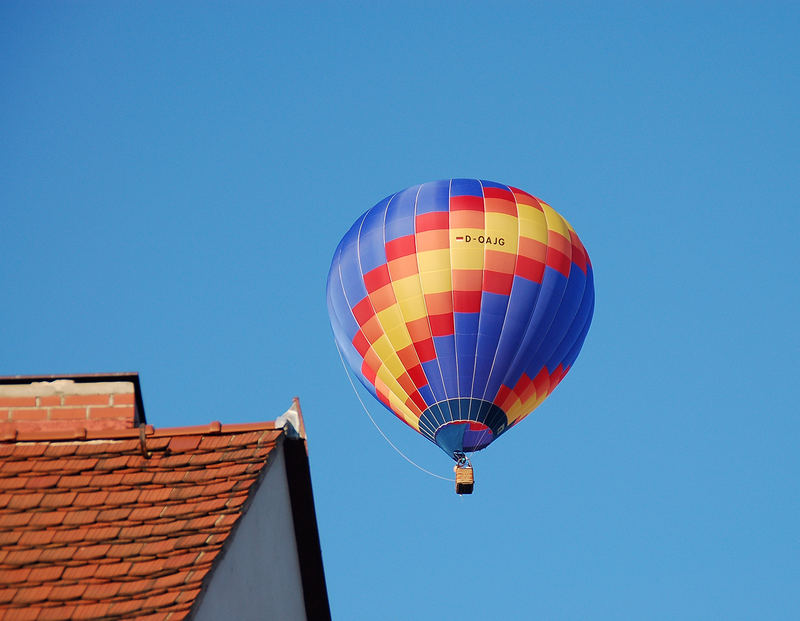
(8, 433)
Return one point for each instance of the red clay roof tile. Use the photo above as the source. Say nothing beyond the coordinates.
(103, 533)
(236, 501)
(90, 499)
(188, 595)
(177, 460)
(87, 553)
(113, 570)
(91, 611)
(190, 541)
(205, 459)
(60, 449)
(135, 478)
(42, 482)
(136, 587)
(24, 501)
(11, 484)
(12, 467)
(53, 555)
(169, 528)
(74, 481)
(64, 592)
(211, 506)
(49, 518)
(31, 594)
(187, 493)
(55, 499)
(213, 443)
(161, 601)
(71, 535)
(205, 522)
(185, 559)
(9, 537)
(125, 550)
(102, 590)
(45, 574)
(136, 532)
(174, 579)
(81, 465)
(106, 480)
(56, 613)
(80, 516)
(158, 443)
(23, 614)
(34, 538)
(245, 439)
(114, 515)
(125, 607)
(19, 557)
(112, 463)
(169, 477)
(141, 514)
(225, 520)
(179, 444)
(155, 495)
(222, 487)
(160, 547)
(11, 576)
(80, 572)
(46, 465)
(122, 497)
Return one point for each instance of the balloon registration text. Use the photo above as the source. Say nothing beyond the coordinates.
(483, 239)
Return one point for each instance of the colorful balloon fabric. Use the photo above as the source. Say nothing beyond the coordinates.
(460, 305)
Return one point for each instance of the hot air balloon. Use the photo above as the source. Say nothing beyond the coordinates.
(460, 305)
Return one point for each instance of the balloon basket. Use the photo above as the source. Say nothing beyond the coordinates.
(465, 480)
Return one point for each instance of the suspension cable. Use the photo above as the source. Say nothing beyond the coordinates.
(385, 437)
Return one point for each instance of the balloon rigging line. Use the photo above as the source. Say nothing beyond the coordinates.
(385, 437)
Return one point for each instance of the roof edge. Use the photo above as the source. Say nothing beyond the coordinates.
(8, 433)
(306, 532)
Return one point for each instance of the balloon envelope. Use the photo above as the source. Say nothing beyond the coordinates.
(460, 305)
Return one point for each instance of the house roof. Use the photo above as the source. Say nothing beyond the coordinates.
(124, 522)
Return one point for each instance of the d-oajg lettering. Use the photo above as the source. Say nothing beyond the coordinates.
(485, 239)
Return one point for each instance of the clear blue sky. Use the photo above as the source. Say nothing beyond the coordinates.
(174, 178)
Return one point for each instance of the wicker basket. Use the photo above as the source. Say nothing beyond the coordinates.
(465, 480)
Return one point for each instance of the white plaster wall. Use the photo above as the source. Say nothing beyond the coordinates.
(259, 575)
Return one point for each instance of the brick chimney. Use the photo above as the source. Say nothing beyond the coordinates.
(89, 403)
